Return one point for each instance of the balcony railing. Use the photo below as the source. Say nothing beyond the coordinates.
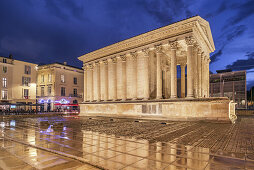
(75, 95)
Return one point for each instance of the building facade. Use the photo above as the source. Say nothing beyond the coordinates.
(230, 84)
(139, 75)
(18, 81)
(59, 86)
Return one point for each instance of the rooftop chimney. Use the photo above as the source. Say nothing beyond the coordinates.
(65, 63)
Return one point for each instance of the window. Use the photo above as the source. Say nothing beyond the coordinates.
(26, 93)
(27, 69)
(49, 90)
(75, 92)
(49, 77)
(4, 69)
(4, 82)
(26, 81)
(42, 78)
(4, 94)
(62, 78)
(4, 60)
(62, 91)
(75, 80)
(42, 91)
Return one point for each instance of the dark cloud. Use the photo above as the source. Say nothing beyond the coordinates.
(243, 64)
(223, 7)
(226, 38)
(244, 10)
(238, 31)
(215, 56)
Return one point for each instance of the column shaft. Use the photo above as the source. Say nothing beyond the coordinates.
(123, 83)
(195, 72)
(95, 83)
(158, 73)
(190, 82)
(91, 82)
(203, 75)
(106, 80)
(173, 73)
(146, 76)
(168, 82)
(85, 83)
(183, 81)
(199, 66)
(134, 76)
(98, 82)
(114, 81)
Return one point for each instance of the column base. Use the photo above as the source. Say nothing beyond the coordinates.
(173, 97)
(190, 97)
(158, 98)
(134, 98)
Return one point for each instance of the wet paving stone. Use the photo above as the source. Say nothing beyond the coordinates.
(124, 143)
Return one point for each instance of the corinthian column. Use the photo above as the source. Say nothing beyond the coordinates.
(90, 83)
(208, 77)
(199, 66)
(203, 75)
(195, 70)
(173, 67)
(85, 82)
(168, 81)
(134, 75)
(183, 80)
(98, 82)
(158, 71)
(190, 69)
(146, 73)
(114, 81)
(123, 82)
(105, 82)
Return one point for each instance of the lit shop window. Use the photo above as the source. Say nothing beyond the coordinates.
(4, 82)
(62, 78)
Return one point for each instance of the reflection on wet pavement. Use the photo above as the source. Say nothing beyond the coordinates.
(29, 144)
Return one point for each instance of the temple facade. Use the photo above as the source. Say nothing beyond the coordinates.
(140, 73)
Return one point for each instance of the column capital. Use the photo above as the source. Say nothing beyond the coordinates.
(105, 62)
(158, 48)
(113, 59)
(189, 41)
(173, 45)
(146, 51)
(91, 66)
(85, 67)
(123, 57)
(199, 50)
(182, 65)
(96, 63)
(134, 55)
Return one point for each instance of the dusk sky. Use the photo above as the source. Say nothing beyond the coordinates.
(47, 31)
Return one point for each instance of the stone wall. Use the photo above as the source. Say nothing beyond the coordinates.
(194, 109)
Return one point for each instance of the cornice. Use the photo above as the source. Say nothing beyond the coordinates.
(169, 31)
